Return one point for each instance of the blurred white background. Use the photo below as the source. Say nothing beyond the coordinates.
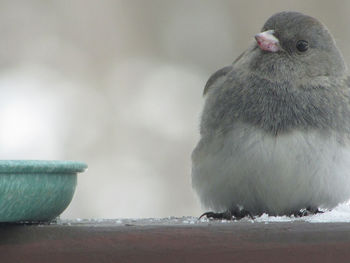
(118, 85)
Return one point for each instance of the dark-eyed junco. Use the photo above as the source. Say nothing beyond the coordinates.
(276, 123)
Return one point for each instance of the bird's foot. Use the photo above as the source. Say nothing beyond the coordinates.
(235, 214)
(308, 211)
(212, 215)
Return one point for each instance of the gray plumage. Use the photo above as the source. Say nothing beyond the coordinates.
(275, 126)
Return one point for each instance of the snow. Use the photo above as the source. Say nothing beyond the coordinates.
(266, 218)
(340, 214)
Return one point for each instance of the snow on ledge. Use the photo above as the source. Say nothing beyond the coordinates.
(340, 214)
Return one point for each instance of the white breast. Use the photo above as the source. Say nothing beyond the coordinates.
(276, 175)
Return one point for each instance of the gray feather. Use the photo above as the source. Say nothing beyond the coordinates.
(215, 77)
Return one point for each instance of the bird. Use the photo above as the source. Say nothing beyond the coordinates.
(275, 125)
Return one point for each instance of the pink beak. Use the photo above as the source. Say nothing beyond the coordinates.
(267, 41)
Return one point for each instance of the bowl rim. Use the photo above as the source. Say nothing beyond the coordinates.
(41, 166)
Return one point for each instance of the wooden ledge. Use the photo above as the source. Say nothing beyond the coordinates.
(135, 241)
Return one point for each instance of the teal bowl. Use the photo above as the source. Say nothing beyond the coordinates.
(36, 191)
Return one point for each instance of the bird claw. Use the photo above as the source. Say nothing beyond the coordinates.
(235, 214)
(239, 213)
(225, 215)
(308, 211)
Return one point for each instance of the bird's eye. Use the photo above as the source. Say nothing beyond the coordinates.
(302, 45)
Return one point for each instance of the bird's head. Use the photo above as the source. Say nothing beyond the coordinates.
(294, 45)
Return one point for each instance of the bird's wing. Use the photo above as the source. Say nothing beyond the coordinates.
(215, 77)
(220, 73)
